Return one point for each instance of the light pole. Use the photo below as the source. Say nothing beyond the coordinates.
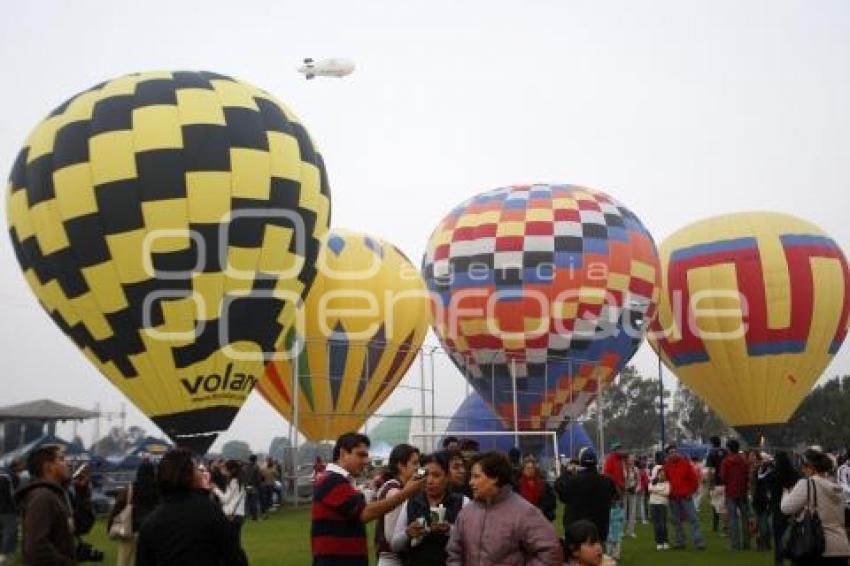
(661, 401)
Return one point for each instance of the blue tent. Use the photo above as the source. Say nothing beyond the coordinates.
(474, 415)
(148, 448)
(73, 452)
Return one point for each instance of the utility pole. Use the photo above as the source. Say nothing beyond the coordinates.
(661, 401)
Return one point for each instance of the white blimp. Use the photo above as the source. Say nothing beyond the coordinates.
(326, 68)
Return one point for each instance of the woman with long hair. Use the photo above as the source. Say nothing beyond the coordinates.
(402, 465)
(534, 489)
(143, 496)
(817, 490)
(233, 498)
(783, 479)
(186, 527)
(421, 534)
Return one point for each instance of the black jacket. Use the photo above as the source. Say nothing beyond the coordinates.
(8, 485)
(47, 516)
(431, 551)
(188, 529)
(587, 495)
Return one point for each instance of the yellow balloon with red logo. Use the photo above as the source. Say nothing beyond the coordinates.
(754, 307)
(363, 323)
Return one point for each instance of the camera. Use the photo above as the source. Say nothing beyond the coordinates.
(87, 553)
(420, 474)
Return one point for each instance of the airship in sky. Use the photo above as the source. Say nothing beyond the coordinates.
(326, 68)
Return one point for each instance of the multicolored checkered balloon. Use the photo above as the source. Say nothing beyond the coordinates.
(543, 292)
(169, 224)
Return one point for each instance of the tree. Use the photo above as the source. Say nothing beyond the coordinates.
(236, 450)
(629, 410)
(822, 418)
(695, 420)
(279, 448)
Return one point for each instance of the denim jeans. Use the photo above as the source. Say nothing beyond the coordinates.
(737, 509)
(631, 500)
(659, 522)
(681, 510)
(8, 533)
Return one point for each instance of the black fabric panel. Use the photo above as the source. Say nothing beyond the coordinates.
(71, 145)
(119, 206)
(161, 174)
(187, 79)
(85, 234)
(594, 231)
(155, 91)
(112, 114)
(245, 128)
(18, 176)
(39, 183)
(206, 147)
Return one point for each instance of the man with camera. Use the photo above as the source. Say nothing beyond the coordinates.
(46, 511)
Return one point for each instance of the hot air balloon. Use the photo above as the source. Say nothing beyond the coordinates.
(169, 222)
(754, 306)
(543, 286)
(364, 321)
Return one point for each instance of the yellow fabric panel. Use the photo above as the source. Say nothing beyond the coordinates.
(112, 157)
(232, 94)
(642, 270)
(283, 154)
(124, 249)
(49, 230)
(208, 193)
(251, 172)
(74, 191)
(82, 107)
(90, 312)
(42, 138)
(209, 286)
(157, 127)
(776, 282)
(17, 210)
(199, 106)
(540, 215)
(564, 203)
(511, 229)
(274, 255)
(103, 280)
(165, 221)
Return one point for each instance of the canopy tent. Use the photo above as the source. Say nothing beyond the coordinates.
(74, 452)
(390, 431)
(148, 448)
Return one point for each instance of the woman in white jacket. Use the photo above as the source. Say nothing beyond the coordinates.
(830, 506)
(233, 497)
(659, 492)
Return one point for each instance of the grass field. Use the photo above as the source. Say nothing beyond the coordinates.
(284, 540)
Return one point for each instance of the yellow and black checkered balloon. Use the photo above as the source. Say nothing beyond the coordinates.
(169, 223)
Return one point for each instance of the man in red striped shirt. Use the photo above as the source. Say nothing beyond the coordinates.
(340, 512)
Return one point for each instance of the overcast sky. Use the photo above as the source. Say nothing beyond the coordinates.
(679, 109)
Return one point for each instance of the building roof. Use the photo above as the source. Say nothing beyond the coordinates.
(44, 410)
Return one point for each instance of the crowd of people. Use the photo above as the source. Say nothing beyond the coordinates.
(455, 506)
(492, 508)
(177, 511)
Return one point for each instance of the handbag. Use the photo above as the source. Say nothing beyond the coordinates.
(804, 538)
(122, 523)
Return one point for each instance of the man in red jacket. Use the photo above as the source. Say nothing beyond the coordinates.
(684, 482)
(735, 473)
(615, 466)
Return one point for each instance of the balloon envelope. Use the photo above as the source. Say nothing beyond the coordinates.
(168, 222)
(365, 319)
(474, 415)
(549, 285)
(754, 306)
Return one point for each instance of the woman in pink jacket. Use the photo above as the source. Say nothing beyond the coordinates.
(500, 528)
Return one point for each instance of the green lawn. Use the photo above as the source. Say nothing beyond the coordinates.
(284, 539)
